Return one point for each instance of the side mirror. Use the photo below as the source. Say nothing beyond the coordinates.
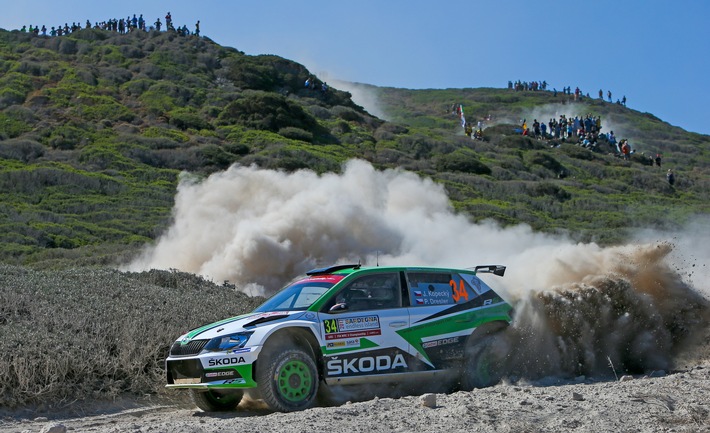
(338, 307)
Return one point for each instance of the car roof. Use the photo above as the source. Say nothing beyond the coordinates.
(347, 269)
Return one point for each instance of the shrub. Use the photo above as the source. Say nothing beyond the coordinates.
(578, 152)
(156, 131)
(213, 154)
(263, 110)
(296, 134)
(96, 353)
(9, 96)
(544, 159)
(550, 189)
(21, 150)
(237, 148)
(462, 160)
(186, 119)
(347, 113)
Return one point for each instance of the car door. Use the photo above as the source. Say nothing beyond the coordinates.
(439, 322)
(359, 327)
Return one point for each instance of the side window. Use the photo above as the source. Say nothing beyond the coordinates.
(438, 288)
(371, 292)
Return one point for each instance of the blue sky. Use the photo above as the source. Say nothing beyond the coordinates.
(654, 52)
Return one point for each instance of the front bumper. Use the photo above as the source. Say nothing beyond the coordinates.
(211, 370)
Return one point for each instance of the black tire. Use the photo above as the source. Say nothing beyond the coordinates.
(288, 380)
(216, 401)
(484, 363)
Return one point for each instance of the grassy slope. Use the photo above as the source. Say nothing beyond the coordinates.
(97, 127)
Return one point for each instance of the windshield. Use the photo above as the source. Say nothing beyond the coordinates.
(297, 296)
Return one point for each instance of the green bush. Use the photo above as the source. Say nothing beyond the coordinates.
(187, 119)
(156, 131)
(269, 111)
(296, 134)
(462, 160)
(237, 148)
(546, 160)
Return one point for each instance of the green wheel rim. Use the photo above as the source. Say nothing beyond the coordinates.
(294, 381)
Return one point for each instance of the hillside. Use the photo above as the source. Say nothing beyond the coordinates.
(96, 128)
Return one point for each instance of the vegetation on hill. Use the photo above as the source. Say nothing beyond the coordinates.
(96, 127)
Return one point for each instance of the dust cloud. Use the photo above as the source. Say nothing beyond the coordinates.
(580, 308)
(364, 95)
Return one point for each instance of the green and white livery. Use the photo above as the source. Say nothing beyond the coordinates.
(346, 325)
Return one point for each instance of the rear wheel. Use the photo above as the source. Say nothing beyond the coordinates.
(484, 363)
(288, 380)
(216, 401)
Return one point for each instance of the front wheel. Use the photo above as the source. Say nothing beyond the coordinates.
(288, 380)
(216, 401)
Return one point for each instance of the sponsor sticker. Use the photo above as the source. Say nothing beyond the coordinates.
(351, 327)
(365, 365)
(353, 342)
(225, 374)
(235, 381)
(358, 323)
(441, 342)
(231, 360)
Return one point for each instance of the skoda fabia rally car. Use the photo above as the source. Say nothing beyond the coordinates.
(346, 325)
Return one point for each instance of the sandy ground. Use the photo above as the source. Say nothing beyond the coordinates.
(673, 402)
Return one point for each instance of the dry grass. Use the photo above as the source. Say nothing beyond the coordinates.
(97, 333)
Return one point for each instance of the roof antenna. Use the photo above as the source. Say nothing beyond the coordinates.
(378, 258)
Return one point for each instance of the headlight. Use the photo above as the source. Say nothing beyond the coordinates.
(228, 342)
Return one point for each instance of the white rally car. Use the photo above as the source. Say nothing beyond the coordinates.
(346, 325)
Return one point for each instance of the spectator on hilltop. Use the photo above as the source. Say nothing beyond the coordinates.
(670, 177)
(122, 26)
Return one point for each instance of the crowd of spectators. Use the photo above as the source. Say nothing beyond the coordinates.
(121, 26)
(519, 86)
(578, 95)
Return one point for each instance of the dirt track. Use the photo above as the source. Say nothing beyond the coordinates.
(676, 402)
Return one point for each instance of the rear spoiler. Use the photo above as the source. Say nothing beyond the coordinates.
(491, 269)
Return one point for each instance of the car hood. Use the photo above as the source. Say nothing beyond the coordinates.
(243, 323)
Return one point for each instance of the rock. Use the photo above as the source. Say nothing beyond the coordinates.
(54, 428)
(626, 378)
(581, 378)
(428, 400)
(657, 373)
(577, 396)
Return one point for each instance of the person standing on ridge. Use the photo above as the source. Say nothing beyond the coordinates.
(197, 28)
